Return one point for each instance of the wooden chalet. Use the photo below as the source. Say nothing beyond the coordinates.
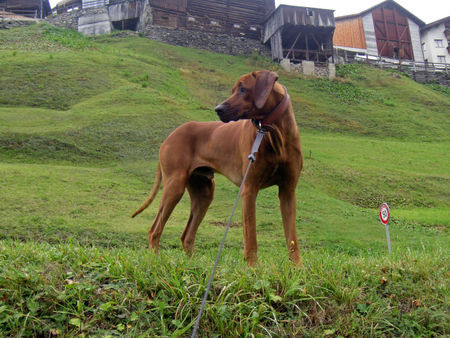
(300, 33)
(29, 8)
(385, 30)
(236, 17)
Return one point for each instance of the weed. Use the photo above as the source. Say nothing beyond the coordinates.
(440, 89)
(66, 37)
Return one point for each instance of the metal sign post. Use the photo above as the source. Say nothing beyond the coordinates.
(384, 218)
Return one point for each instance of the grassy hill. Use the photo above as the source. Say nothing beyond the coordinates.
(81, 121)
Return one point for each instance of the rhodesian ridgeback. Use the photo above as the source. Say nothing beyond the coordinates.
(193, 152)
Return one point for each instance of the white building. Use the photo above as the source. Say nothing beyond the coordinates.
(436, 41)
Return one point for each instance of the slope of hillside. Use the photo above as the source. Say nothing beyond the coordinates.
(81, 121)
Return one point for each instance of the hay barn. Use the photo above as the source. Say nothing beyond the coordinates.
(300, 33)
(385, 30)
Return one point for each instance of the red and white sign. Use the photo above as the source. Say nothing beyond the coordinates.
(384, 213)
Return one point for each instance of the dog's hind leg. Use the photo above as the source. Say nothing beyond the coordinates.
(173, 190)
(201, 192)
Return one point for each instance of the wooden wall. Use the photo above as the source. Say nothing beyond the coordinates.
(392, 33)
(350, 33)
(169, 13)
(237, 17)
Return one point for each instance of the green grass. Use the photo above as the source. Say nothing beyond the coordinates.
(65, 288)
(81, 121)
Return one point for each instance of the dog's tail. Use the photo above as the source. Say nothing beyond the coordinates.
(152, 196)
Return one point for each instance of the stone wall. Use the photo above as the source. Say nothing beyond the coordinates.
(65, 20)
(70, 20)
(6, 23)
(442, 78)
(310, 68)
(220, 43)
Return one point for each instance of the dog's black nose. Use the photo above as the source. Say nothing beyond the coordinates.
(220, 109)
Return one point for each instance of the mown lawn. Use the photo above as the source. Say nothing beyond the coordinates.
(81, 121)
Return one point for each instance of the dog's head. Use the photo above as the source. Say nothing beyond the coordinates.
(249, 97)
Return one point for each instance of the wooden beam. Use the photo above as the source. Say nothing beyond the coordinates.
(293, 45)
(307, 46)
(385, 27)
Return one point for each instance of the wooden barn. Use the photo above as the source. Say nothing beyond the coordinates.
(236, 17)
(28, 8)
(300, 33)
(385, 30)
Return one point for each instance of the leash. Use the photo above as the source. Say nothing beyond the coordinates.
(259, 136)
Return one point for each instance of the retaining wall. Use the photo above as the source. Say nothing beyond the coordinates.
(220, 43)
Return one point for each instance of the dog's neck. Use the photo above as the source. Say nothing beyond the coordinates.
(280, 109)
(276, 109)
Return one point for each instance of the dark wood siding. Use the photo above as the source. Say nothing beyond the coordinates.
(392, 33)
(237, 17)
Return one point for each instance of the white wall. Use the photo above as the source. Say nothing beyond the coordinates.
(430, 50)
(414, 31)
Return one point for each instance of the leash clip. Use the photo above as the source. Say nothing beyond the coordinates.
(259, 136)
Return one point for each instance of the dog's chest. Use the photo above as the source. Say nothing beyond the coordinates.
(270, 175)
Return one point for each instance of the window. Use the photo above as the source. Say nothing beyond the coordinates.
(438, 43)
(441, 58)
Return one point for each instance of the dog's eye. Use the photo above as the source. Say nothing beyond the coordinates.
(242, 90)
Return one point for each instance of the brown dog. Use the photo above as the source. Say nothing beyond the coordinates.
(191, 155)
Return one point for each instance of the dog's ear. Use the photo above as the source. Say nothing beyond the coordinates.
(264, 83)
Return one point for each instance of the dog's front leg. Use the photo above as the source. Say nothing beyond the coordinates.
(248, 196)
(288, 206)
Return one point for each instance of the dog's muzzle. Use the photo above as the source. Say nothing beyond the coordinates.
(221, 111)
(228, 113)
